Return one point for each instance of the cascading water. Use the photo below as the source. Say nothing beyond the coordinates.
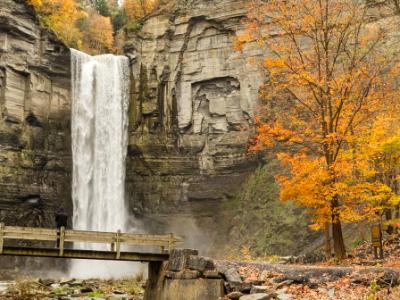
(99, 143)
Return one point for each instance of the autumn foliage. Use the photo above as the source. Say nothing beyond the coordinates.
(62, 17)
(98, 34)
(91, 25)
(330, 108)
(137, 9)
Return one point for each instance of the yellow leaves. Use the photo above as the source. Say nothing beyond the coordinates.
(307, 184)
(268, 135)
(316, 226)
(62, 17)
(393, 222)
(313, 184)
(393, 201)
(331, 106)
(85, 30)
(241, 40)
(99, 34)
(271, 63)
(35, 3)
(137, 9)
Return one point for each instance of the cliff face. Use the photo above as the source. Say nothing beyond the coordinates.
(192, 104)
(35, 115)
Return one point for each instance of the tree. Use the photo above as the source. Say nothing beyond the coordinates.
(120, 19)
(329, 75)
(102, 7)
(62, 17)
(82, 29)
(99, 34)
(380, 148)
(137, 9)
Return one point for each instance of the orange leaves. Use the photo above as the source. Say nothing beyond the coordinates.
(99, 34)
(137, 9)
(313, 185)
(330, 91)
(241, 40)
(268, 135)
(78, 28)
(271, 63)
(62, 17)
(36, 3)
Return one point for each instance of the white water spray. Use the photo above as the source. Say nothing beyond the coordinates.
(100, 89)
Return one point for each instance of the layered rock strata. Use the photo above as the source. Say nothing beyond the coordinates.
(193, 99)
(35, 161)
(192, 104)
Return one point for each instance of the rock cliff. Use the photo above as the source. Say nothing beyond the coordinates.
(191, 116)
(192, 104)
(35, 161)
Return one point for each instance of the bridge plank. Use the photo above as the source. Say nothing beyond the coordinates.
(28, 233)
(85, 254)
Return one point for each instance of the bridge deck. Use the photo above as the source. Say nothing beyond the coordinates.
(85, 254)
(115, 240)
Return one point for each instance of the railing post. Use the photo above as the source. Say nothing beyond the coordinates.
(1, 237)
(62, 235)
(170, 242)
(118, 244)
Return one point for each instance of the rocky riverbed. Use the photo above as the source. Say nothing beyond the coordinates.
(241, 281)
(260, 281)
(68, 288)
(187, 275)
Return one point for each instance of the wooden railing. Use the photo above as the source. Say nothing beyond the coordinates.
(114, 239)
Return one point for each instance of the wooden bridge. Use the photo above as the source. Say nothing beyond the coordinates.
(116, 241)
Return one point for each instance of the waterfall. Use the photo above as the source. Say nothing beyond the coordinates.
(100, 89)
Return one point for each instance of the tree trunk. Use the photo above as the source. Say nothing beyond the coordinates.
(338, 242)
(328, 248)
(397, 216)
(388, 216)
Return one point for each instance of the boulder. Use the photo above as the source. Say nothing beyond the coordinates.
(282, 295)
(234, 295)
(47, 282)
(258, 296)
(244, 287)
(284, 283)
(232, 275)
(294, 278)
(260, 289)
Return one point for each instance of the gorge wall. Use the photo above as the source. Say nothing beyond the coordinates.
(192, 102)
(35, 160)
